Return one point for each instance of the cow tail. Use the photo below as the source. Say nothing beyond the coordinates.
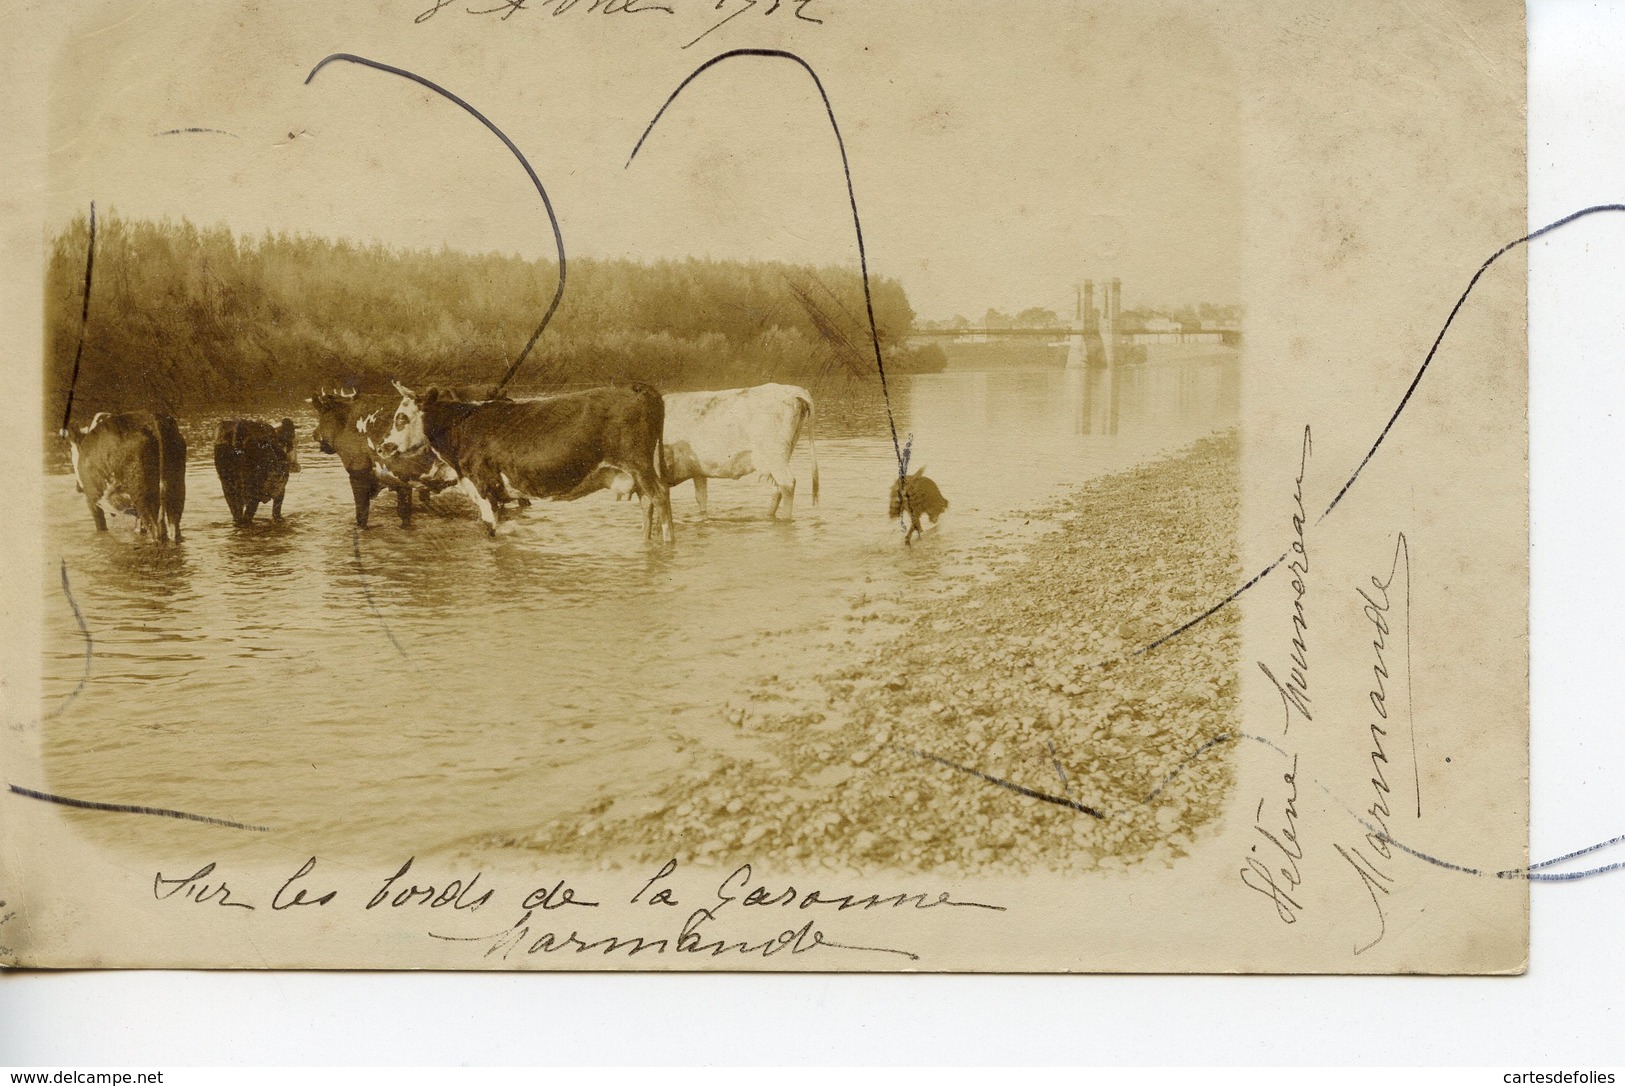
(812, 447)
(163, 478)
(660, 439)
(170, 442)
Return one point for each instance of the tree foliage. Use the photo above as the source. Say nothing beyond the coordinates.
(184, 318)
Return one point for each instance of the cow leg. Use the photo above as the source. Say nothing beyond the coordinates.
(788, 493)
(249, 509)
(276, 507)
(656, 503)
(363, 485)
(701, 493)
(96, 513)
(484, 504)
(146, 515)
(403, 504)
(660, 497)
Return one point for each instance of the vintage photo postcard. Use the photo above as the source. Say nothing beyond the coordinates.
(766, 485)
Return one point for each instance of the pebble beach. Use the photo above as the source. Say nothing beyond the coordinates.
(1014, 722)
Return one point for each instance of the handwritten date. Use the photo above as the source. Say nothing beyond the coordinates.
(717, 13)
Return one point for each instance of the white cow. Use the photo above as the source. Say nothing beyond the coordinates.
(734, 433)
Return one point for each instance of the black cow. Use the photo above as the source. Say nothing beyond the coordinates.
(133, 462)
(253, 460)
(558, 447)
(353, 431)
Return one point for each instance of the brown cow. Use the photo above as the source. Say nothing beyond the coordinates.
(558, 447)
(253, 460)
(133, 462)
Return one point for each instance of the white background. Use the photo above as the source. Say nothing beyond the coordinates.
(1568, 1011)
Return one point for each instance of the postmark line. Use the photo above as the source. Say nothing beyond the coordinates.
(1404, 401)
(1021, 789)
(130, 808)
(84, 320)
(547, 204)
(90, 647)
(851, 195)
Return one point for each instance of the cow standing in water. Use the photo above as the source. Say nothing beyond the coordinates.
(558, 447)
(253, 460)
(735, 433)
(132, 463)
(345, 428)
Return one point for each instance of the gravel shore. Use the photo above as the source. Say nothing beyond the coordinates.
(1100, 756)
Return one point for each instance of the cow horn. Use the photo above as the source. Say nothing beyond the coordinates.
(348, 393)
(402, 389)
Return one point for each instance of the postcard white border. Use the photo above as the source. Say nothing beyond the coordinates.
(1565, 1009)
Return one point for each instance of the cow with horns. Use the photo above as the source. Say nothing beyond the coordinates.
(345, 427)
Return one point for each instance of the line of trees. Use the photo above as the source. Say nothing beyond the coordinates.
(183, 317)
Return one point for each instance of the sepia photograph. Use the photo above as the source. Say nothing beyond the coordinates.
(584, 485)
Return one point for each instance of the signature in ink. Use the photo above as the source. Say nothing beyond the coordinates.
(1285, 850)
(1377, 604)
(1294, 691)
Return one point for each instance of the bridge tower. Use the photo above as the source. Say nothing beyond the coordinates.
(1093, 341)
(1111, 311)
(1077, 352)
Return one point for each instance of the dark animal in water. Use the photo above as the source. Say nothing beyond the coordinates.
(345, 427)
(132, 463)
(918, 497)
(253, 460)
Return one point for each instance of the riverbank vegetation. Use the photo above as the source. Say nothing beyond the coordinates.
(183, 317)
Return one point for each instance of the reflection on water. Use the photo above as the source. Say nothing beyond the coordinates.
(401, 688)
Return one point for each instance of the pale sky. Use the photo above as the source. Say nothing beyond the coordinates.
(999, 153)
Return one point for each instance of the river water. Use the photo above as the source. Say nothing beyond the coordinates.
(365, 692)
